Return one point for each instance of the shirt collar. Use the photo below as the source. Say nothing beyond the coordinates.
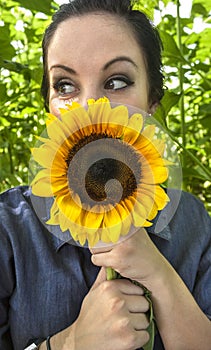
(160, 226)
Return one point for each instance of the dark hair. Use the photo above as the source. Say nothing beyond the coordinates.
(146, 35)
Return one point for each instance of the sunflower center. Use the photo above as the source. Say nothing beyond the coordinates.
(103, 169)
(100, 174)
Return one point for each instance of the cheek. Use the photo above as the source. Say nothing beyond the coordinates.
(55, 104)
(139, 101)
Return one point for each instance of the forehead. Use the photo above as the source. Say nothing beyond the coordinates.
(97, 36)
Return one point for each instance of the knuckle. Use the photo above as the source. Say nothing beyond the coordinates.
(136, 340)
(132, 340)
(104, 287)
(115, 301)
(116, 304)
(123, 324)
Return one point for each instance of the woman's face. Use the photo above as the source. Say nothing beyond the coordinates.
(92, 56)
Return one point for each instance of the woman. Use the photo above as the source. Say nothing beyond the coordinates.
(49, 288)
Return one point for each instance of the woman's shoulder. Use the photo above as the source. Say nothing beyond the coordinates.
(188, 206)
(191, 223)
(17, 213)
(13, 197)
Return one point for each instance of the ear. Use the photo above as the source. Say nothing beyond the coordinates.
(153, 107)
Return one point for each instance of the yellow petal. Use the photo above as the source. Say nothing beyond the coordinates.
(51, 118)
(82, 237)
(54, 209)
(126, 218)
(43, 156)
(99, 113)
(152, 214)
(93, 219)
(156, 193)
(76, 120)
(69, 207)
(136, 122)
(59, 185)
(116, 121)
(160, 146)
(41, 185)
(138, 221)
(92, 101)
(129, 203)
(130, 136)
(147, 224)
(63, 111)
(143, 206)
(57, 132)
(74, 105)
(149, 132)
(161, 198)
(105, 235)
(112, 222)
(93, 239)
(160, 175)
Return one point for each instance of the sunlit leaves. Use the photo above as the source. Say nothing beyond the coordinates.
(193, 60)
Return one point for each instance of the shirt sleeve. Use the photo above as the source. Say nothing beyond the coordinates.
(7, 282)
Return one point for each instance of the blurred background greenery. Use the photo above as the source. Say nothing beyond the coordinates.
(185, 28)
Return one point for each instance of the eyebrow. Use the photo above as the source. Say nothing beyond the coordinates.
(66, 68)
(120, 59)
(106, 66)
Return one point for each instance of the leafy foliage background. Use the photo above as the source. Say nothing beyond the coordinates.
(185, 111)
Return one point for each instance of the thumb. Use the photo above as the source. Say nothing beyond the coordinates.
(101, 277)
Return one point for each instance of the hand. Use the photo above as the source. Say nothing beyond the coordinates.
(112, 317)
(136, 258)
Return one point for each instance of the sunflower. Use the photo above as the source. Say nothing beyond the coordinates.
(103, 170)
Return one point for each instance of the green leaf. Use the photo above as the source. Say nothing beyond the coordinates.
(196, 173)
(3, 92)
(201, 6)
(13, 66)
(198, 8)
(170, 47)
(7, 50)
(37, 5)
(169, 100)
(206, 121)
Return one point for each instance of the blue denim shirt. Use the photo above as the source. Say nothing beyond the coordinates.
(43, 279)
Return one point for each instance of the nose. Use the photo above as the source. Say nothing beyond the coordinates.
(90, 92)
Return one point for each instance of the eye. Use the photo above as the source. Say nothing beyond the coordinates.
(64, 88)
(117, 83)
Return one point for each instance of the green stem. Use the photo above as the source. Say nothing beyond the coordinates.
(181, 83)
(111, 274)
(10, 158)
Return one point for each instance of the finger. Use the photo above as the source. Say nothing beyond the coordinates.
(139, 321)
(100, 250)
(142, 337)
(101, 277)
(126, 287)
(137, 303)
(102, 259)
